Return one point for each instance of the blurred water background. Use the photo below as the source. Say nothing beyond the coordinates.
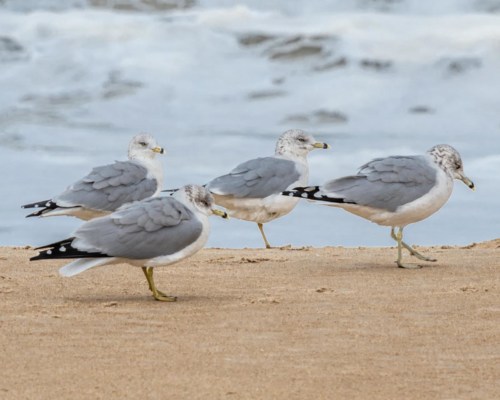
(218, 81)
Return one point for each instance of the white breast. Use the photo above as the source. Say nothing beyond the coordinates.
(155, 171)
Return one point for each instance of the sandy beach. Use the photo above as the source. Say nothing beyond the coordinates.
(322, 323)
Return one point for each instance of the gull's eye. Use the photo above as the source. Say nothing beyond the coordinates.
(302, 139)
(458, 165)
(143, 144)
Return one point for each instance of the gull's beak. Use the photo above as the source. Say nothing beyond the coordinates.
(319, 145)
(467, 181)
(220, 213)
(158, 149)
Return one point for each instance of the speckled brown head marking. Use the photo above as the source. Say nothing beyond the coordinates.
(447, 158)
(199, 196)
(294, 142)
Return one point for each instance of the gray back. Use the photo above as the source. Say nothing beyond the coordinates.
(257, 178)
(386, 183)
(110, 186)
(154, 227)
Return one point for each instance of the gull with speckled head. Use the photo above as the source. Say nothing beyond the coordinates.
(106, 188)
(154, 232)
(394, 191)
(251, 191)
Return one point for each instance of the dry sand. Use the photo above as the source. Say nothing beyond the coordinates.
(328, 323)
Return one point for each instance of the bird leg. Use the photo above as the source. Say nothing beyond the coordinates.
(398, 237)
(415, 253)
(157, 294)
(261, 228)
(412, 251)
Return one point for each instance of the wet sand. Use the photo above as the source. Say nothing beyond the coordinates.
(322, 323)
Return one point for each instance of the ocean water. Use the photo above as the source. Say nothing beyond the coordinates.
(218, 81)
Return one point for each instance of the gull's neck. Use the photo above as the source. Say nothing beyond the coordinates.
(155, 169)
(301, 164)
(290, 154)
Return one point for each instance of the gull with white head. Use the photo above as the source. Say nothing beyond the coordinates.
(394, 191)
(150, 233)
(106, 188)
(251, 191)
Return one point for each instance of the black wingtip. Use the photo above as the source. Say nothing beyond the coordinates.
(38, 257)
(307, 192)
(38, 204)
(64, 249)
(64, 242)
(43, 207)
(35, 214)
(311, 193)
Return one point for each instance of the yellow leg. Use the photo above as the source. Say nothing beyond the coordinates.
(157, 294)
(261, 228)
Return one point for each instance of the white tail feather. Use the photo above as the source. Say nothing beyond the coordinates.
(83, 264)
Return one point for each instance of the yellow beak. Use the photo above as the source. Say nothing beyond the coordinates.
(319, 145)
(158, 149)
(220, 213)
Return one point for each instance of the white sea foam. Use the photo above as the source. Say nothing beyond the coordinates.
(217, 78)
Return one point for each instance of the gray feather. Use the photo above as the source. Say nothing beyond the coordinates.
(386, 183)
(257, 178)
(110, 186)
(152, 228)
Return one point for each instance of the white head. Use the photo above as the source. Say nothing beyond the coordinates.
(297, 143)
(450, 161)
(143, 146)
(200, 199)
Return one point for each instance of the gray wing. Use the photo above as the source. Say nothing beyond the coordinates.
(110, 186)
(154, 227)
(256, 178)
(386, 183)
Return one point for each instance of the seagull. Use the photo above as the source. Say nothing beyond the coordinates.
(154, 232)
(106, 188)
(394, 191)
(251, 191)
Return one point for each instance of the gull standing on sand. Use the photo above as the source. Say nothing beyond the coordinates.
(251, 191)
(150, 233)
(394, 191)
(108, 187)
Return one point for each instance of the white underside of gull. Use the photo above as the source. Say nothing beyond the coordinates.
(82, 213)
(257, 210)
